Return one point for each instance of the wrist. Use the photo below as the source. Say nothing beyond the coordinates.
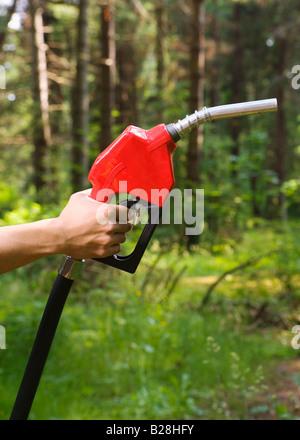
(55, 242)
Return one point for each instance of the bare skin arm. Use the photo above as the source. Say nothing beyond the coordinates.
(82, 230)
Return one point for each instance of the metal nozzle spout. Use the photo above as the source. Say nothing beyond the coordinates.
(221, 112)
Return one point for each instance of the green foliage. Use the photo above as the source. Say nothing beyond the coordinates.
(8, 197)
(126, 349)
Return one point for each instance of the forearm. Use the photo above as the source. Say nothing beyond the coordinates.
(81, 231)
(23, 244)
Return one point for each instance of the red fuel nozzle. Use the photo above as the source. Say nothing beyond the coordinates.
(138, 161)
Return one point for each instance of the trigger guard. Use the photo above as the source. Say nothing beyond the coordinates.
(129, 203)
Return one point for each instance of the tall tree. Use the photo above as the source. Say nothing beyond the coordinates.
(160, 13)
(281, 135)
(126, 65)
(197, 77)
(284, 34)
(41, 124)
(81, 101)
(108, 66)
(236, 81)
(213, 61)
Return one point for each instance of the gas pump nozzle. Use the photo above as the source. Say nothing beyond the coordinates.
(137, 158)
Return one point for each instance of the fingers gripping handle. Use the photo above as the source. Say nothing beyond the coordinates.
(129, 263)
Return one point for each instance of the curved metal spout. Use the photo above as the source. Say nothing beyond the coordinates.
(221, 112)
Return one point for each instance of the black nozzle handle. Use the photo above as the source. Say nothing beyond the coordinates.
(129, 263)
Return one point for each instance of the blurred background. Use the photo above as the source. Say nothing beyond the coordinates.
(203, 330)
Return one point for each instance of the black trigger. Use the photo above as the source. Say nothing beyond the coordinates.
(129, 202)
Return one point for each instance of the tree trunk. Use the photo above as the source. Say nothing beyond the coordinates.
(281, 138)
(197, 65)
(41, 124)
(108, 72)
(236, 85)
(213, 78)
(197, 76)
(56, 99)
(160, 57)
(214, 64)
(126, 92)
(81, 102)
(126, 95)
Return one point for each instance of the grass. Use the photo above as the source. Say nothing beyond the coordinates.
(130, 349)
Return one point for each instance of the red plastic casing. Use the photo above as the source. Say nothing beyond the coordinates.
(138, 161)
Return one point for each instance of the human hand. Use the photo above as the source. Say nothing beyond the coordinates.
(90, 229)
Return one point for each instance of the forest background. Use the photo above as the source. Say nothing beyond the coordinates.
(204, 328)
